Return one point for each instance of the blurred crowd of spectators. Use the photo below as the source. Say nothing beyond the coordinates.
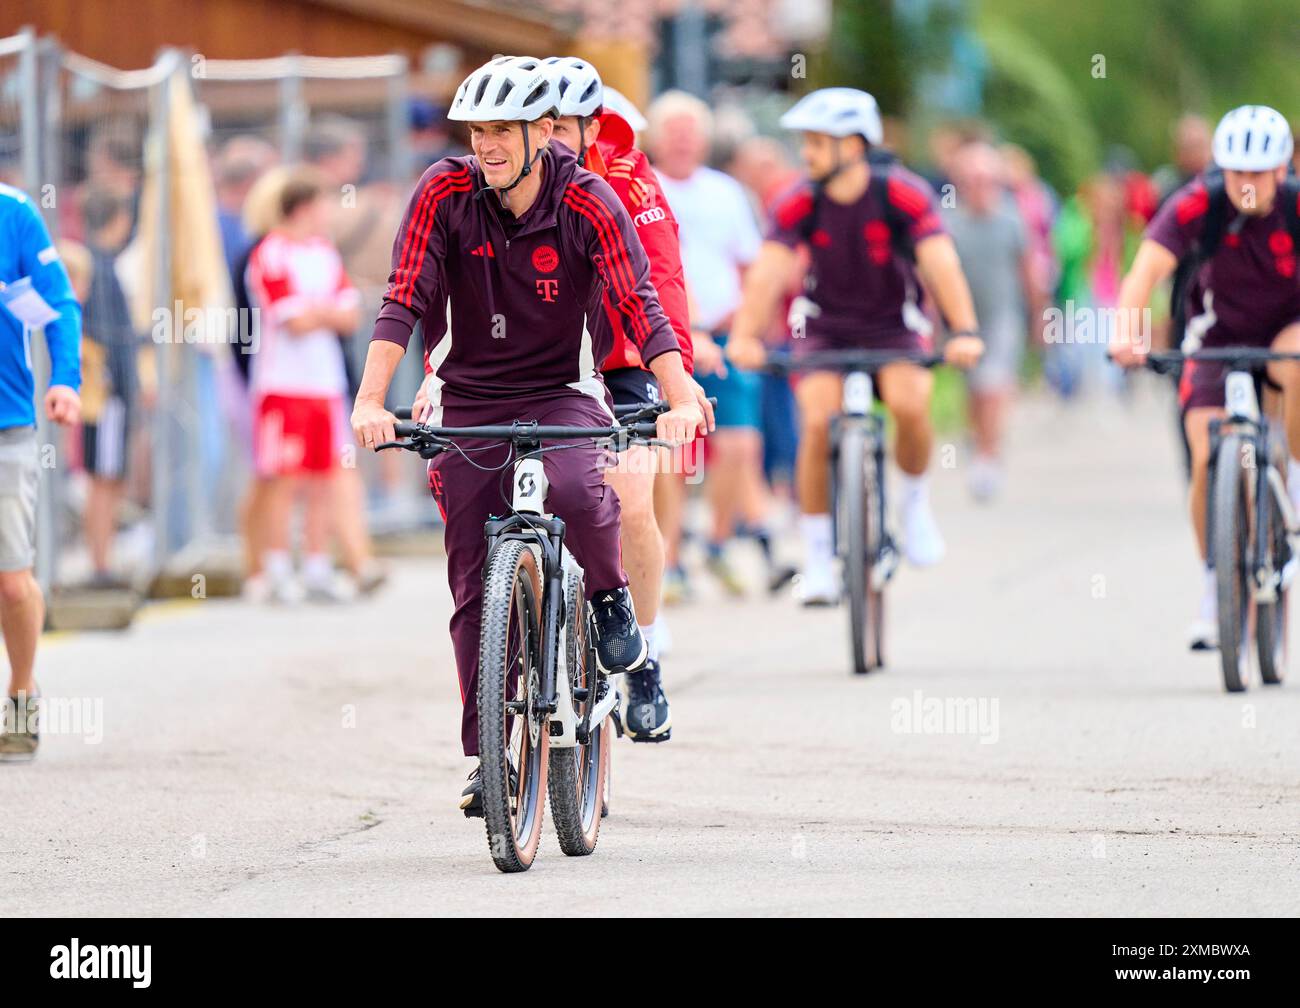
(1023, 245)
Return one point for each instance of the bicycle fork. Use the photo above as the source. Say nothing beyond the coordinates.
(857, 400)
(556, 691)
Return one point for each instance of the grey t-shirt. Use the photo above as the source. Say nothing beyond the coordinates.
(990, 247)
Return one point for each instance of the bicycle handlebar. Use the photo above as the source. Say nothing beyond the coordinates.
(429, 441)
(524, 430)
(1242, 358)
(620, 412)
(846, 360)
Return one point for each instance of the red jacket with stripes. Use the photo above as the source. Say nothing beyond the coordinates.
(520, 289)
(628, 172)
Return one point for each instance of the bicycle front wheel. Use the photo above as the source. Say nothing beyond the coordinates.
(577, 775)
(860, 535)
(512, 732)
(1231, 552)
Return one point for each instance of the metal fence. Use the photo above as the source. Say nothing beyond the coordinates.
(80, 136)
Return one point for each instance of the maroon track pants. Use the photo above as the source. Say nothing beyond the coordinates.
(467, 496)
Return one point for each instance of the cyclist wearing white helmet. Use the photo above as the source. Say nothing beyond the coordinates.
(1238, 226)
(605, 143)
(870, 227)
(526, 247)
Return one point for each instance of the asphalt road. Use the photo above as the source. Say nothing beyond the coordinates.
(265, 762)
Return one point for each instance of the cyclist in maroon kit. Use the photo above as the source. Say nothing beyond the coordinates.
(526, 246)
(1236, 227)
(873, 233)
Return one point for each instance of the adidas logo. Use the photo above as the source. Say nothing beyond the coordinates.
(479, 251)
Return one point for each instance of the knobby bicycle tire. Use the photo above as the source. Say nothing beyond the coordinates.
(576, 779)
(1231, 551)
(510, 649)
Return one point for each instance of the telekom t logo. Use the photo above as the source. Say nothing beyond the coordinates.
(548, 289)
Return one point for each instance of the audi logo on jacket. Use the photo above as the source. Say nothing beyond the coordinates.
(520, 290)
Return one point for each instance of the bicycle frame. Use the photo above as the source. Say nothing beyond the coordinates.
(545, 535)
(1246, 420)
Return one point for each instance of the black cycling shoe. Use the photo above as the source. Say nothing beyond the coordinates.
(648, 718)
(471, 799)
(619, 644)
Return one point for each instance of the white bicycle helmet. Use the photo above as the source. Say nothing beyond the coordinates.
(618, 103)
(578, 84)
(509, 88)
(838, 112)
(1252, 138)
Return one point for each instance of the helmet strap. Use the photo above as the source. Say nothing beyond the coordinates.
(529, 161)
(840, 164)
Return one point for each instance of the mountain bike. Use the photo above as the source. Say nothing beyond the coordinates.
(546, 709)
(1249, 517)
(863, 542)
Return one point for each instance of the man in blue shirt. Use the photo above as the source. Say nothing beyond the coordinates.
(26, 252)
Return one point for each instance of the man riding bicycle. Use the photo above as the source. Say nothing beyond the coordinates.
(1244, 294)
(526, 246)
(863, 223)
(605, 142)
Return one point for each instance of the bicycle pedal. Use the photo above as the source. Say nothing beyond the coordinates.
(780, 579)
(883, 570)
(618, 722)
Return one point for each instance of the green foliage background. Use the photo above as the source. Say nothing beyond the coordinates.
(1161, 58)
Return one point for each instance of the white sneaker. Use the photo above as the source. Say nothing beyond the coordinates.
(818, 585)
(922, 542)
(1204, 632)
(257, 589)
(286, 591)
(985, 479)
(334, 587)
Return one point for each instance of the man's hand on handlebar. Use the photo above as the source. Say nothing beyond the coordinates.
(963, 350)
(680, 422)
(1128, 354)
(372, 423)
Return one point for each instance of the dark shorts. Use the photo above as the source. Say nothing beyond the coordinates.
(631, 386)
(901, 340)
(1201, 384)
(106, 442)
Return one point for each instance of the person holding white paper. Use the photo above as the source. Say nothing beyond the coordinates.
(34, 290)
